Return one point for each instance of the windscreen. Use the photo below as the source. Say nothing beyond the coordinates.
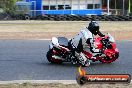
(111, 38)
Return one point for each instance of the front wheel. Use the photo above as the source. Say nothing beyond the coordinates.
(108, 59)
(52, 60)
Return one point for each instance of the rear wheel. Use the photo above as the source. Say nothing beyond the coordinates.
(108, 59)
(52, 60)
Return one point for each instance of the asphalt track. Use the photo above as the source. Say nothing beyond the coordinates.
(26, 60)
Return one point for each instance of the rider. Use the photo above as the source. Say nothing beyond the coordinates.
(86, 38)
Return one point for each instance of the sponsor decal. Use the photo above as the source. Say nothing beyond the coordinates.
(83, 78)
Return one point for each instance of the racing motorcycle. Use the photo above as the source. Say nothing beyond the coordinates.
(61, 50)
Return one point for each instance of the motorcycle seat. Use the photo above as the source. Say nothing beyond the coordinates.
(63, 41)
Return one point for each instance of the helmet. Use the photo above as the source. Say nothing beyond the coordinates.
(93, 27)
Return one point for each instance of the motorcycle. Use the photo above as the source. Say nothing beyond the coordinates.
(110, 51)
(61, 50)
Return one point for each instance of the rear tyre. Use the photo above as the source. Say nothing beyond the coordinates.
(52, 60)
(27, 17)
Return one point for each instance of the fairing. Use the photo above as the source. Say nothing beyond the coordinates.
(55, 41)
(98, 43)
(111, 38)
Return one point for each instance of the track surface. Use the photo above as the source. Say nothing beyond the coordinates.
(26, 60)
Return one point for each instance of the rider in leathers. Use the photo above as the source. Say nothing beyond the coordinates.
(86, 38)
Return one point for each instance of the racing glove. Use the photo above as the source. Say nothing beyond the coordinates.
(101, 34)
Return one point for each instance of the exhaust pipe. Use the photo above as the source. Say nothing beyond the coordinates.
(57, 57)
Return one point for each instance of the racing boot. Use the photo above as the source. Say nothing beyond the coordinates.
(83, 60)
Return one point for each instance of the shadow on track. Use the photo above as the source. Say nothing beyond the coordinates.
(93, 64)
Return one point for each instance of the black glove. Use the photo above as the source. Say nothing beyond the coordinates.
(101, 34)
(105, 39)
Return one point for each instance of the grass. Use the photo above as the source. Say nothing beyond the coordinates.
(29, 85)
(59, 85)
(60, 26)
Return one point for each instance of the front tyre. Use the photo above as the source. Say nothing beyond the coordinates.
(52, 60)
(108, 59)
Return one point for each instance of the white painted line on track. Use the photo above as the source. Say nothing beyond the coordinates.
(43, 39)
(33, 39)
(39, 81)
(50, 39)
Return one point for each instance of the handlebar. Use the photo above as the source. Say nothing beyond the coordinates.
(105, 42)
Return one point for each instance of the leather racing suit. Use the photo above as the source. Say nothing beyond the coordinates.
(87, 39)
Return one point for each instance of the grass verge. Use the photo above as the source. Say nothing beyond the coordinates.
(59, 85)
